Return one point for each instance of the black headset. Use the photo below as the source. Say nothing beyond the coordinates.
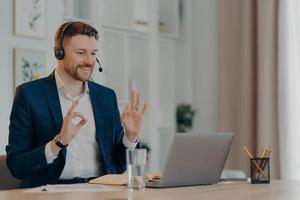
(59, 51)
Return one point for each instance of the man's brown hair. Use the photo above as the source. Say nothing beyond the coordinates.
(70, 29)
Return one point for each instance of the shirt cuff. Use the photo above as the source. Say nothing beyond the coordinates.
(128, 144)
(50, 156)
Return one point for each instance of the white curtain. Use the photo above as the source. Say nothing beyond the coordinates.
(289, 88)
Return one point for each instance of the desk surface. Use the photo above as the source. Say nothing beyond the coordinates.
(284, 190)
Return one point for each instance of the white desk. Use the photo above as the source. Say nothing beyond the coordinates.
(283, 190)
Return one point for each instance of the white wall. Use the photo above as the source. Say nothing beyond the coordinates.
(205, 61)
(205, 64)
(8, 42)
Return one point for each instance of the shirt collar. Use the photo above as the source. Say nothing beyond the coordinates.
(62, 87)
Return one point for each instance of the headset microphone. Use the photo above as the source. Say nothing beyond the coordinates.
(100, 67)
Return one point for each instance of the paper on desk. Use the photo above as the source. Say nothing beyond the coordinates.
(82, 187)
(111, 179)
(121, 179)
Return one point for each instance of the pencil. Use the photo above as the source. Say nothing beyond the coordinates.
(266, 157)
(254, 161)
(262, 153)
(268, 152)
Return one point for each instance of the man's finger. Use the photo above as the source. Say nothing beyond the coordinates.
(138, 98)
(74, 104)
(133, 99)
(122, 115)
(77, 114)
(82, 122)
(127, 109)
(145, 108)
(76, 117)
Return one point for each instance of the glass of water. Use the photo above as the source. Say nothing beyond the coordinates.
(136, 163)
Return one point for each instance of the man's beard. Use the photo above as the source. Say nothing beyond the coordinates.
(77, 75)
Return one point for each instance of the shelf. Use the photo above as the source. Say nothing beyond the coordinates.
(129, 30)
(78, 10)
(124, 29)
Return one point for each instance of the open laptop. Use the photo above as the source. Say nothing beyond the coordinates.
(195, 159)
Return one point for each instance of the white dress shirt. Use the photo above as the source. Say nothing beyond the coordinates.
(83, 156)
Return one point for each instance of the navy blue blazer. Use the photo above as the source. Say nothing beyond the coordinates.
(36, 118)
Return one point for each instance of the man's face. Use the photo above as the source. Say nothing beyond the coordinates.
(80, 56)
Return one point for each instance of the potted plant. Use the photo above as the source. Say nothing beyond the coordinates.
(184, 117)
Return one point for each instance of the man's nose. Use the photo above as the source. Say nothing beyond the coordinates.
(90, 60)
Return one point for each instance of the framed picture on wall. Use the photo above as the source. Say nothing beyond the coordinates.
(30, 18)
(28, 65)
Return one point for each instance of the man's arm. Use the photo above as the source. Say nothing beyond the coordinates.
(23, 158)
(120, 148)
(128, 144)
(132, 119)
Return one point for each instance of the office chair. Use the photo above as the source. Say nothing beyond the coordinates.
(7, 181)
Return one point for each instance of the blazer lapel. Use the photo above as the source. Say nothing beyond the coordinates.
(99, 120)
(53, 101)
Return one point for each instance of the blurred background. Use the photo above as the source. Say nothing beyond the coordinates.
(203, 65)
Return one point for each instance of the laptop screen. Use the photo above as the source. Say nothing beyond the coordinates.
(196, 159)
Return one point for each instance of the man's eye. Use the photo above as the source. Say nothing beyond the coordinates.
(80, 53)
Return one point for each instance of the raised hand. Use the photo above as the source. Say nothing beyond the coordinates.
(132, 117)
(70, 130)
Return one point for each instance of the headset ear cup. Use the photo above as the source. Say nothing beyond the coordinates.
(59, 53)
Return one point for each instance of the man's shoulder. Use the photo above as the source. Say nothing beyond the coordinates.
(33, 84)
(32, 88)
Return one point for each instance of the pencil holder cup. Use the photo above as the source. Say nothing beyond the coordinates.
(260, 170)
